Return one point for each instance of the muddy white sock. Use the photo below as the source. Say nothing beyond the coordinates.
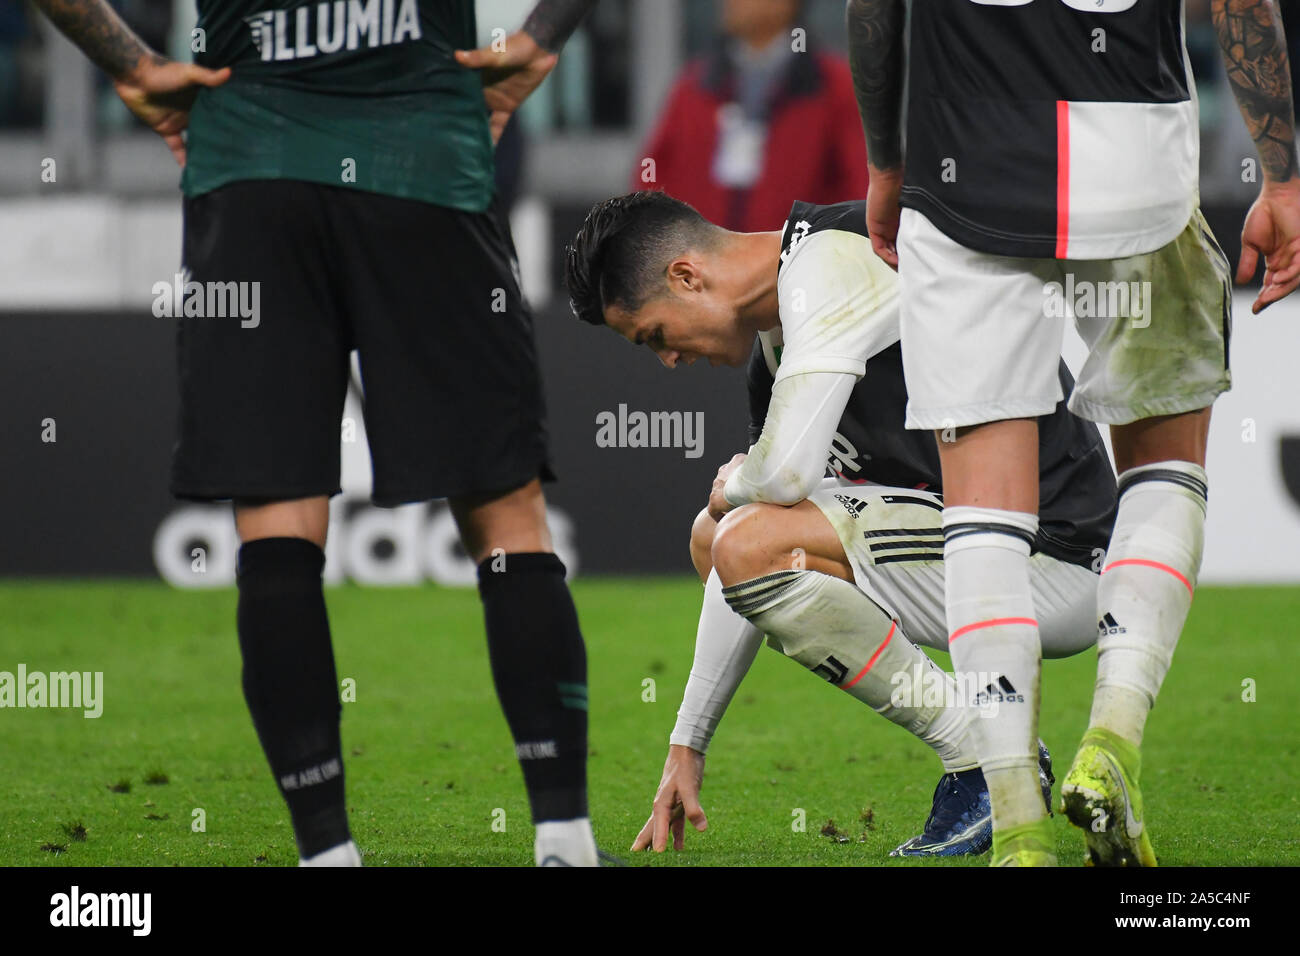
(1146, 589)
(996, 654)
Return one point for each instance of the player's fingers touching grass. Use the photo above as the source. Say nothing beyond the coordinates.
(693, 812)
(667, 815)
(643, 838)
(676, 801)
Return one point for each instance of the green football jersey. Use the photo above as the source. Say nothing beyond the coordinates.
(362, 94)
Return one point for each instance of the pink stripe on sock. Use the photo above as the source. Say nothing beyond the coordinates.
(995, 622)
(1151, 564)
(862, 673)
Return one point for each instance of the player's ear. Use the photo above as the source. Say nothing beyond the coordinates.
(684, 275)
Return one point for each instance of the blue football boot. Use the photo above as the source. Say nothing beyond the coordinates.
(961, 817)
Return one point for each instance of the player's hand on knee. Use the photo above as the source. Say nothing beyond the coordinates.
(718, 503)
(677, 800)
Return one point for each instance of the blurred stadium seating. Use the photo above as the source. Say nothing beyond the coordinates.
(79, 256)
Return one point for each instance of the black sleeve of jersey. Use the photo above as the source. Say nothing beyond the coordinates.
(759, 381)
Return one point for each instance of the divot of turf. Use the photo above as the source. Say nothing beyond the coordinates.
(74, 831)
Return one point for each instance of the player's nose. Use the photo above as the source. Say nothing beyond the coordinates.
(669, 357)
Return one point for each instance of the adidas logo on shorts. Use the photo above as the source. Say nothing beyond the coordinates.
(853, 506)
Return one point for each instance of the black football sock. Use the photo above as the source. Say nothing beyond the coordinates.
(291, 686)
(539, 665)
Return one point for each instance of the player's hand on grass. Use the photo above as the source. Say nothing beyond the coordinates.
(718, 503)
(161, 91)
(1272, 230)
(883, 212)
(677, 801)
(509, 74)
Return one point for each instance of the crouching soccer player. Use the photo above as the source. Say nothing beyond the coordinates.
(844, 575)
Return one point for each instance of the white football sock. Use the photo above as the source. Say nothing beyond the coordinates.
(565, 843)
(996, 654)
(345, 854)
(1146, 590)
(837, 632)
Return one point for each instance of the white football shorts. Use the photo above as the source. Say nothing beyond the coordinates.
(893, 538)
(982, 334)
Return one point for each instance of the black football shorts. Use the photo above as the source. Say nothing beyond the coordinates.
(292, 277)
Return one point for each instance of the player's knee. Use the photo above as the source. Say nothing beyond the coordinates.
(513, 521)
(702, 532)
(742, 546)
(306, 518)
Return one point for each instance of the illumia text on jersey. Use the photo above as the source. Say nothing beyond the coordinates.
(338, 25)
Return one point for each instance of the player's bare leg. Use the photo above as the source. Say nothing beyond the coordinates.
(289, 678)
(990, 477)
(780, 526)
(1143, 599)
(703, 528)
(785, 570)
(306, 518)
(539, 663)
(513, 521)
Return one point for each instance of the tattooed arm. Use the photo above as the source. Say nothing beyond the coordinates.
(100, 33)
(513, 69)
(875, 30)
(157, 90)
(553, 21)
(1254, 54)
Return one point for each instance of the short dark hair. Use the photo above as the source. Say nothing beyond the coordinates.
(619, 255)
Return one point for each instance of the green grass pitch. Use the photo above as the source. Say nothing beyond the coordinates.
(430, 767)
